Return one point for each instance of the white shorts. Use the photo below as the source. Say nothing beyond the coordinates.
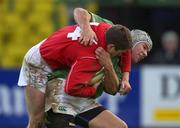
(60, 102)
(34, 70)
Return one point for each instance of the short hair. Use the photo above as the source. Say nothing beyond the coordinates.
(120, 36)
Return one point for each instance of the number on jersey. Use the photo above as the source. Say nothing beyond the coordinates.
(77, 32)
(74, 35)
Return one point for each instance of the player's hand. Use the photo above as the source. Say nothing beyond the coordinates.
(103, 57)
(125, 87)
(88, 36)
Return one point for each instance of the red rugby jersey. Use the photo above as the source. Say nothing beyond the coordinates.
(62, 50)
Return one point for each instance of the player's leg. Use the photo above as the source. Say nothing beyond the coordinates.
(35, 101)
(53, 116)
(99, 117)
(35, 97)
(107, 119)
(33, 76)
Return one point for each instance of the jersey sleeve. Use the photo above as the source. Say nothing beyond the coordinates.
(80, 74)
(125, 63)
(96, 18)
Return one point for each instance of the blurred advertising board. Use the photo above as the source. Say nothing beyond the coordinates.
(12, 103)
(160, 96)
(126, 107)
(153, 102)
(13, 112)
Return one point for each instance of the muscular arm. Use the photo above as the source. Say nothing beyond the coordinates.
(82, 18)
(111, 81)
(125, 65)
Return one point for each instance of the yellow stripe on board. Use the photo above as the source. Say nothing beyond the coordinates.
(167, 114)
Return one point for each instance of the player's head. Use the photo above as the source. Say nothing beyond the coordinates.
(118, 39)
(142, 45)
(170, 41)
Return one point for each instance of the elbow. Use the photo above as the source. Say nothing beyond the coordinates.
(111, 90)
(116, 86)
(78, 10)
(114, 90)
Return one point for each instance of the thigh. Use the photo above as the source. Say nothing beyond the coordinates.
(34, 70)
(84, 118)
(107, 119)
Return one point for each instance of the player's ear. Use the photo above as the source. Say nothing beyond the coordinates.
(110, 47)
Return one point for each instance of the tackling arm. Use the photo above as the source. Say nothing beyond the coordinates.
(82, 17)
(111, 81)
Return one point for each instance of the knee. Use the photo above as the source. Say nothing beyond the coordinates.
(36, 118)
(36, 122)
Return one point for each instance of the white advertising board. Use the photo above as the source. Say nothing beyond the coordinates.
(160, 96)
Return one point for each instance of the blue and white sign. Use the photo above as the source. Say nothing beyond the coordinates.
(126, 107)
(13, 112)
(12, 106)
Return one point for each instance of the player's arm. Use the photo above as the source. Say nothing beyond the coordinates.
(82, 18)
(125, 61)
(125, 65)
(125, 87)
(111, 81)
